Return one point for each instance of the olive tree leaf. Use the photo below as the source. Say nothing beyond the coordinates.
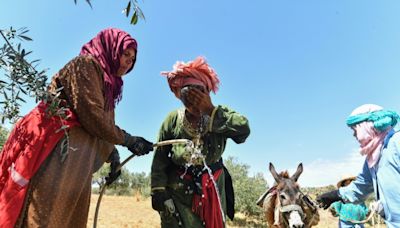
(134, 19)
(128, 9)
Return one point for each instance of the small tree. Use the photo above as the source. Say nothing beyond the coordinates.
(126, 184)
(19, 77)
(141, 183)
(121, 186)
(247, 189)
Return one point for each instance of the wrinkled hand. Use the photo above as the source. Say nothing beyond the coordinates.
(325, 200)
(201, 100)
(159, 199)
(114, 163)
(137, 145)
(195, 97)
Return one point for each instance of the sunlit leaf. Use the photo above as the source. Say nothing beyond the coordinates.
(25, 37)
(19, 98)
(23, 91)
(134, 19)
(128, 9)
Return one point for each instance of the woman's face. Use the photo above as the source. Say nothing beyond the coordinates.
(126, 61)
(364, 132)
(354, 132)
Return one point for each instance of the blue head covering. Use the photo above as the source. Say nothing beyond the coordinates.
(382, 119)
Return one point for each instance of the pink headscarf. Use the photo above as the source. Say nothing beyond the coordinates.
(371, 140)
(196, 72)
(107, 48)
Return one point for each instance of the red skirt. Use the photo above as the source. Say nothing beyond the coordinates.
(29, 144)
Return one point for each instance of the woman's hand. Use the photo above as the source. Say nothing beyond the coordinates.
(201, 100)
(158, 199)
(326, 199)
(115, 163)
(137, 145)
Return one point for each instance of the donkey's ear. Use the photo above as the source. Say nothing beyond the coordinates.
(273, 172)
(299, 170)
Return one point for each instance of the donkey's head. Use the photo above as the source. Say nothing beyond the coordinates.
(289, 196)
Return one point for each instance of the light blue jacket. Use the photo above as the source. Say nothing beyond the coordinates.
(383, 179)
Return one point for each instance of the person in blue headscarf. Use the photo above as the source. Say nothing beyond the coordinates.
(374, 129)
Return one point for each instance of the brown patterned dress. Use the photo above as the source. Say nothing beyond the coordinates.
(59, 193)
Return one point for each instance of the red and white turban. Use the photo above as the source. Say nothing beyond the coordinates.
(196, 72)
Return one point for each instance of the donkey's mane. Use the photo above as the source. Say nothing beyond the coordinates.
(284, 174)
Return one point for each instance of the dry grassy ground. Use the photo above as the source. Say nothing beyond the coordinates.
(124, 211)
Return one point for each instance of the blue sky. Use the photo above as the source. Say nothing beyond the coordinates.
(296, 69)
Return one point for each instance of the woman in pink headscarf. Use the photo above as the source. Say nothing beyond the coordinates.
(190, 186)
(47, 163)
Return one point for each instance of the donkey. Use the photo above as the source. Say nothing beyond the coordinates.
(285, 206)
